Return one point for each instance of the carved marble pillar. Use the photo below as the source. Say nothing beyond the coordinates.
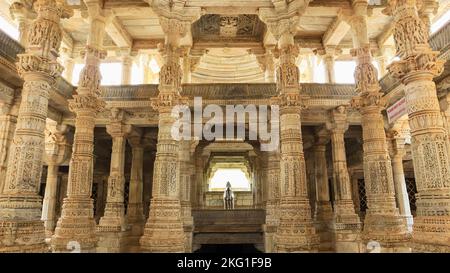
(429, 142)
(426, 10)
(20, 205)
(272, 175)
(295, 230)
(127, 63)
(186, 170)
(328, 55)
(21, 13)
(346, 225)
(113, 223)
(135, 209)
(163, 231)
(77, 217)
(382, 222)
(57, 150)
(323, 213)
(397, 151)
(8, 120)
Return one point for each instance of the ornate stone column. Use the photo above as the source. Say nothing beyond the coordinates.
(113, 222)
(429, 142)
(127, 63)
(272, 175)
(382, 222)
(346, 225)
(328, 55)
(427, 9)
(20, 205)
(9, 105)
(21, 12)
(295, 230)
(57, 151)
(186, 171)
(164, 228)
(323, 213)
(77, 217)
(397, 151)
(135, 210)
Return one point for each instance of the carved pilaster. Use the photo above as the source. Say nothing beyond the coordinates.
(429, 141)
(20, 205)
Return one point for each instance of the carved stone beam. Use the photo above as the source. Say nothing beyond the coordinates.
(336, 31)
(118, 33)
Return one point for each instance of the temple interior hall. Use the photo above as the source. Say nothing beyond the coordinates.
(199, 126)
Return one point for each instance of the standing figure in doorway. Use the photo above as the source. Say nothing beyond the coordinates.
(228, 197)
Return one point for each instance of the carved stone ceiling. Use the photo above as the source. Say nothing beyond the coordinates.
(219, 27)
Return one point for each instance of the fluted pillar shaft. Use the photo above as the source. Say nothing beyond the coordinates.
(417, 67)
(77, 217)
(20, 204)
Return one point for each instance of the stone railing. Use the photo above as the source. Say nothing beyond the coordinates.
(9, 47)
(439, 41)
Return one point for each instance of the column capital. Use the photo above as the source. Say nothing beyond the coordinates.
(116, 128)
(396, 143)
(321, 136)
(412, 45)
(58, 148)
(338, 120)
(135, 137)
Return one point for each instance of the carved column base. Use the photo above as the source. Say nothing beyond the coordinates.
(163, 231)
(22, 236)
(77, 225)
(346, 227)
(269, 233)
(323, 217)
(21, 229)
(296, 232)
(136, 223)
(113, 219)
(431, 234)
(388, 231)
(111, 241)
